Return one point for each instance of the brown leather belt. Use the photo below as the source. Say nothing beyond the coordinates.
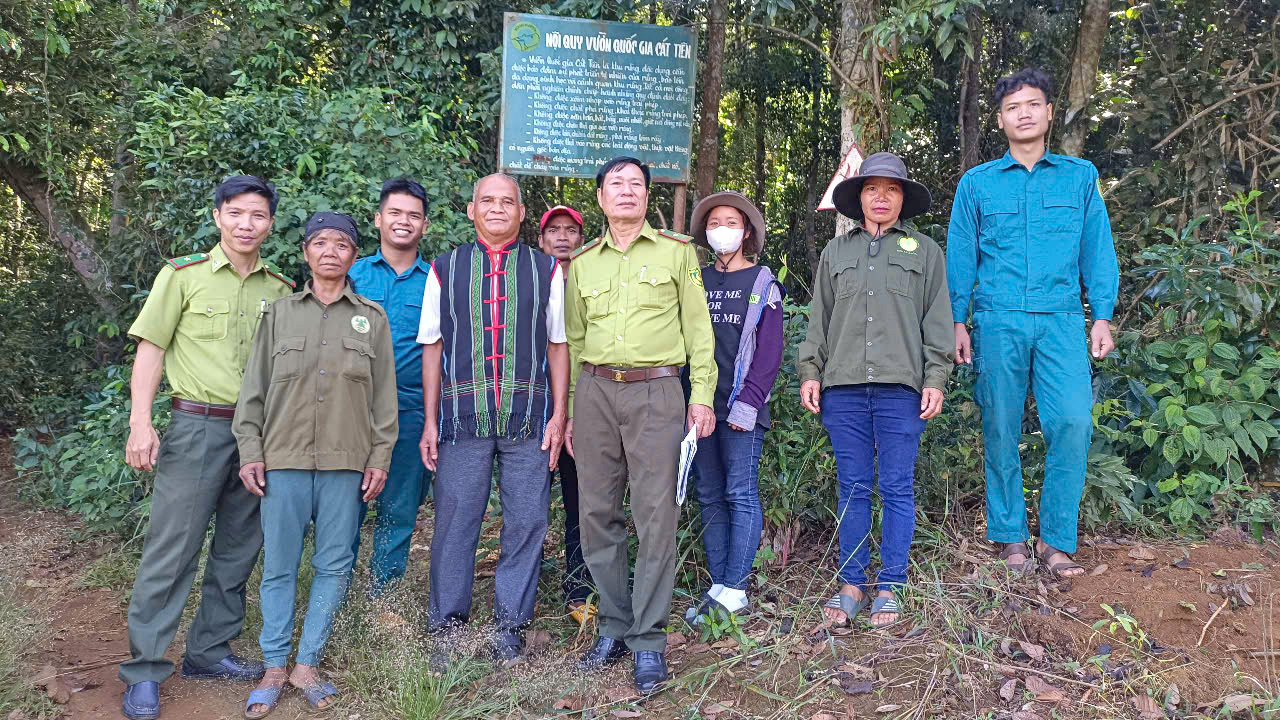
(635, 375)
(195, 408)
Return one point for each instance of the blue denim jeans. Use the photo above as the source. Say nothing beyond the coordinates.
(408, 483)
(293, 500)
(874, 425)
(728, 462)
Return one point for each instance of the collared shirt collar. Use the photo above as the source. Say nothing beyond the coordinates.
(897, 225)
(645, 232)
(218, 258)
(418, 262)
(1007, 161)
(347, 292)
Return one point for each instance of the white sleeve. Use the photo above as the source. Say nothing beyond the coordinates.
(555, 307)
(429, 326)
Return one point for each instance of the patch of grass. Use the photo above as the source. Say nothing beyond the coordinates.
(24, 632)
(115, 570)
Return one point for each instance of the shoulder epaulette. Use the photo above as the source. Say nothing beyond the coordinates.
(187, 260)
(584, 248)
(274, 272)
(678, 237)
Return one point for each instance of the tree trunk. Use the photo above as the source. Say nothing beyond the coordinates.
(66, 228)
(969, 91)
(712, 80)
(861, 119)
(761, 110)
(1084, 74)
(811, 189)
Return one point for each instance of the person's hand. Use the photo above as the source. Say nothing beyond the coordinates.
(703, 417)
(964, 346)
(930, 403)
(372, 483)
(553, 440)
(735, 427)
(1100, 341)
(811, 396)
(254, 477)
(568, 438)
(142, 448)
(429, 446)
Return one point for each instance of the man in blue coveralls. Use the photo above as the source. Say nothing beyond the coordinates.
(1025, 231)
(395, 277)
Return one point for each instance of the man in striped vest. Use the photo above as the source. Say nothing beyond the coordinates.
(495, 377)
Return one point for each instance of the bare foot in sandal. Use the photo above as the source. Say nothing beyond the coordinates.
(888, 614)
(1058, 563)
(274, 677)
(305, 677)
(836, 617)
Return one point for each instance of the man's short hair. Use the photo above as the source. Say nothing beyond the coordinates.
(475, 189)
(403, 186)
(1026, 77)
(618, 162)
(241, 184)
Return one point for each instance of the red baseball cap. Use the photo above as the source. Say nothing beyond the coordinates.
(559, 210)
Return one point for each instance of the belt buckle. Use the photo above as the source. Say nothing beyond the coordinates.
(619, 376)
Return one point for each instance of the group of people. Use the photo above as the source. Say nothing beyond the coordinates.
(388, 377)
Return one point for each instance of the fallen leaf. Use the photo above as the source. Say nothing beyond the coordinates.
(852, 686)
(535, 640)
(625, 713)
(675, 640)
(1219, 573)
(1142, 552)
(823, 716)
(1098, 570)
(1148, 708)
(888, 708)
(1181, 563)
(1172, 698)
(58, 691)
(725, 644)
(697, 648)
(1188, 606)
(1027, 715)
(570, 702)
(1148, 570)
(1008, 689)
(858, 671)
(1006, 647)
(618, 694)
(1044, 691)
(1033, 651)
(716, 708)
(1236, 703)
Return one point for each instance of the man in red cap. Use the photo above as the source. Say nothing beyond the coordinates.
(559, 235)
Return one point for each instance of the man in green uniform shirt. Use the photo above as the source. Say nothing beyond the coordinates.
(635, 315)
(198, 325)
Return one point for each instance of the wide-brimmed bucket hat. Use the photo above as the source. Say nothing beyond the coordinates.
(751, 245)
(847, 196)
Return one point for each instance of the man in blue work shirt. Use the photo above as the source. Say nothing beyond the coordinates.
(1025, 231)
(395, 277)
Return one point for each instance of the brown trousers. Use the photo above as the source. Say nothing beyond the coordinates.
(629, 434)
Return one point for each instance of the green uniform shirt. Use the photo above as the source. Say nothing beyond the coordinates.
(882, 319)
(320, 388)
(203, 315)
(642, 307)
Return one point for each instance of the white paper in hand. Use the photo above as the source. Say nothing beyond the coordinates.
(688, 448)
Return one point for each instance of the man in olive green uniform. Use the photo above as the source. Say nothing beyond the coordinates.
(198, 324)
(635, 315)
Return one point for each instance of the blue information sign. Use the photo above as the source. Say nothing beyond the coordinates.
(576, 93)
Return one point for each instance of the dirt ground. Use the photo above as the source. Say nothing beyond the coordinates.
(1171, 591)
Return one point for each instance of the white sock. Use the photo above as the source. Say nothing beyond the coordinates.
(732, 600)
(715, 590)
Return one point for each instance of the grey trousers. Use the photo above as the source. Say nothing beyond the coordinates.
(196, 479)
(464, 476)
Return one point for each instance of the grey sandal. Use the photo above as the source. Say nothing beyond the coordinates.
(883, 604)
(847, 604)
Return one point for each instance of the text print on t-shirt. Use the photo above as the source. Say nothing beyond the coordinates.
(715, 298)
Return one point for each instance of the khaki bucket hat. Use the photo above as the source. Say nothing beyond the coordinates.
(753, 244)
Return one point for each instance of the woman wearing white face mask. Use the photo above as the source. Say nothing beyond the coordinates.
(745, 301)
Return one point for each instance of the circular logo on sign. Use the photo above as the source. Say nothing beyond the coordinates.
(908, 244)
(360, 324)
(525, 36)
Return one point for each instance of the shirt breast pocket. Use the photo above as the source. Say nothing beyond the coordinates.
(595, 296)
(657, 288)
(844, 273)
(1062, 214)
(207, 319)
(999, 221)
(905, 274)
(357, 360)
(286, 358)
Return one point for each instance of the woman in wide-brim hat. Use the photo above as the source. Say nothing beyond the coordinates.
(877, 356)
(745, 300)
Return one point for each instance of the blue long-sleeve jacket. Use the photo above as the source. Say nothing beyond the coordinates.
(1024, 240)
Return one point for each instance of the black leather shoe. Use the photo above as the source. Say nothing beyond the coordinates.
(507, 647)
(231, 668)
(141, 701)
(604, 653)
(651, 670)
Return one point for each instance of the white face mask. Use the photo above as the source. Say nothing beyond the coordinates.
(724, 240)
